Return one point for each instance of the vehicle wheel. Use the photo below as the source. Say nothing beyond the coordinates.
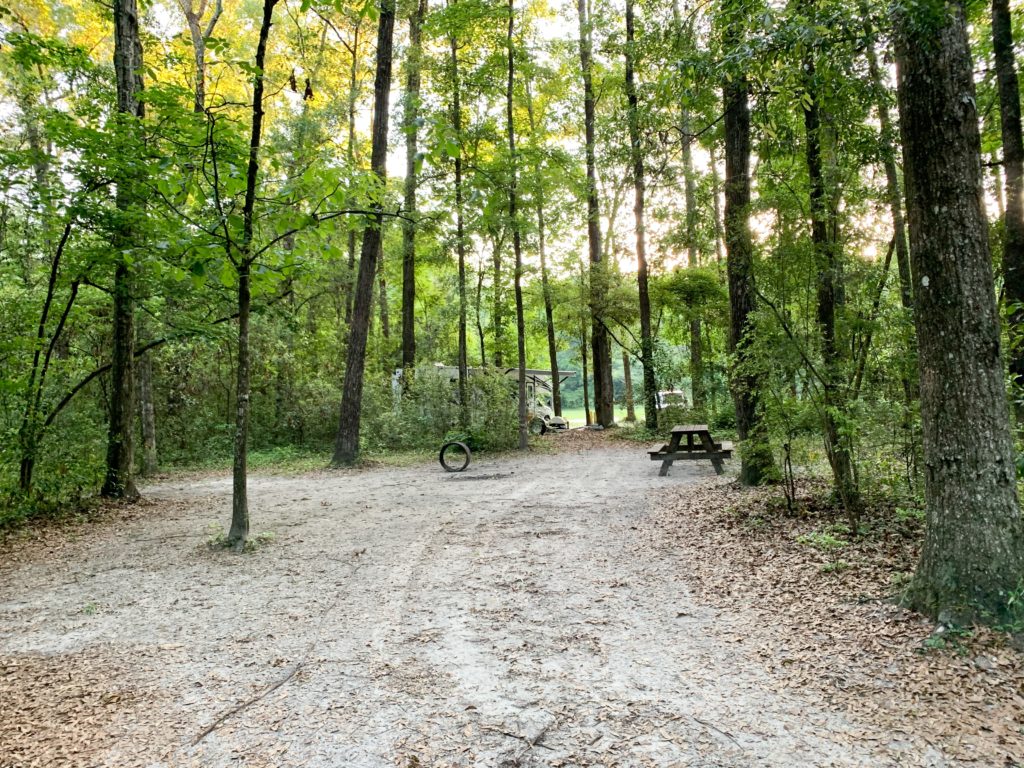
(455, 456)
(537, 426)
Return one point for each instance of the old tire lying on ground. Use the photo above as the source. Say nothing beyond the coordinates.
(449, 456)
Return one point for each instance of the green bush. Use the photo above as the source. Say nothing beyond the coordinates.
(427, 413)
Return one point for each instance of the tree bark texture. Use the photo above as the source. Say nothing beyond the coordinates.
(1013, 166)
(411, 119)
(346, 446)
(604, 393)
(517, 238)
(639, 189)
(973, 553)
(238, 534)
(119, 481)
(757, 462)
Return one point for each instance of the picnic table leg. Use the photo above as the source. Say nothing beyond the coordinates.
(665, 466)
(709, 446)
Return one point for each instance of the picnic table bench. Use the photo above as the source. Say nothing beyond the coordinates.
(699, 445)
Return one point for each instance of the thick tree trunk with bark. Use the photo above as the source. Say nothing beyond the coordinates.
(757, 462)
(973, 554)
(639, 190)
(1013, 166)
(517, 240)
(411, 127)
(119, 482)
(346, 445)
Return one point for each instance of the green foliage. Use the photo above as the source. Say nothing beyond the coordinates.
(826, 541)
(427, 413)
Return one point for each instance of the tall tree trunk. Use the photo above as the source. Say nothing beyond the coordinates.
(517, 241)
(972, 560)
(639, 189)
(586, 374)
(411, 127)
(199, 36)
(479, 319)
(239, 532)
(30, 433)
(1013, 165)
(604, 392)
(346, 446)
(460, 248)
(998, 189)
(350, 156)
(892, 179)
(837, 442)
(697, 389)
(908, 372)
(757, 462)
(549, 312)
(382, 296)
(119, 482)
(627, 387)
(497, 312)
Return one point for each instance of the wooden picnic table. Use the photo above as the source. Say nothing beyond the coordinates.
(699, 446)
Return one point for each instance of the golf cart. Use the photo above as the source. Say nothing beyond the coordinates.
(540, 414)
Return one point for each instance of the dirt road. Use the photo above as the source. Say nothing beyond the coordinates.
(507, 616)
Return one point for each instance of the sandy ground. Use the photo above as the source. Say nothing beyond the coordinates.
(508, 616)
